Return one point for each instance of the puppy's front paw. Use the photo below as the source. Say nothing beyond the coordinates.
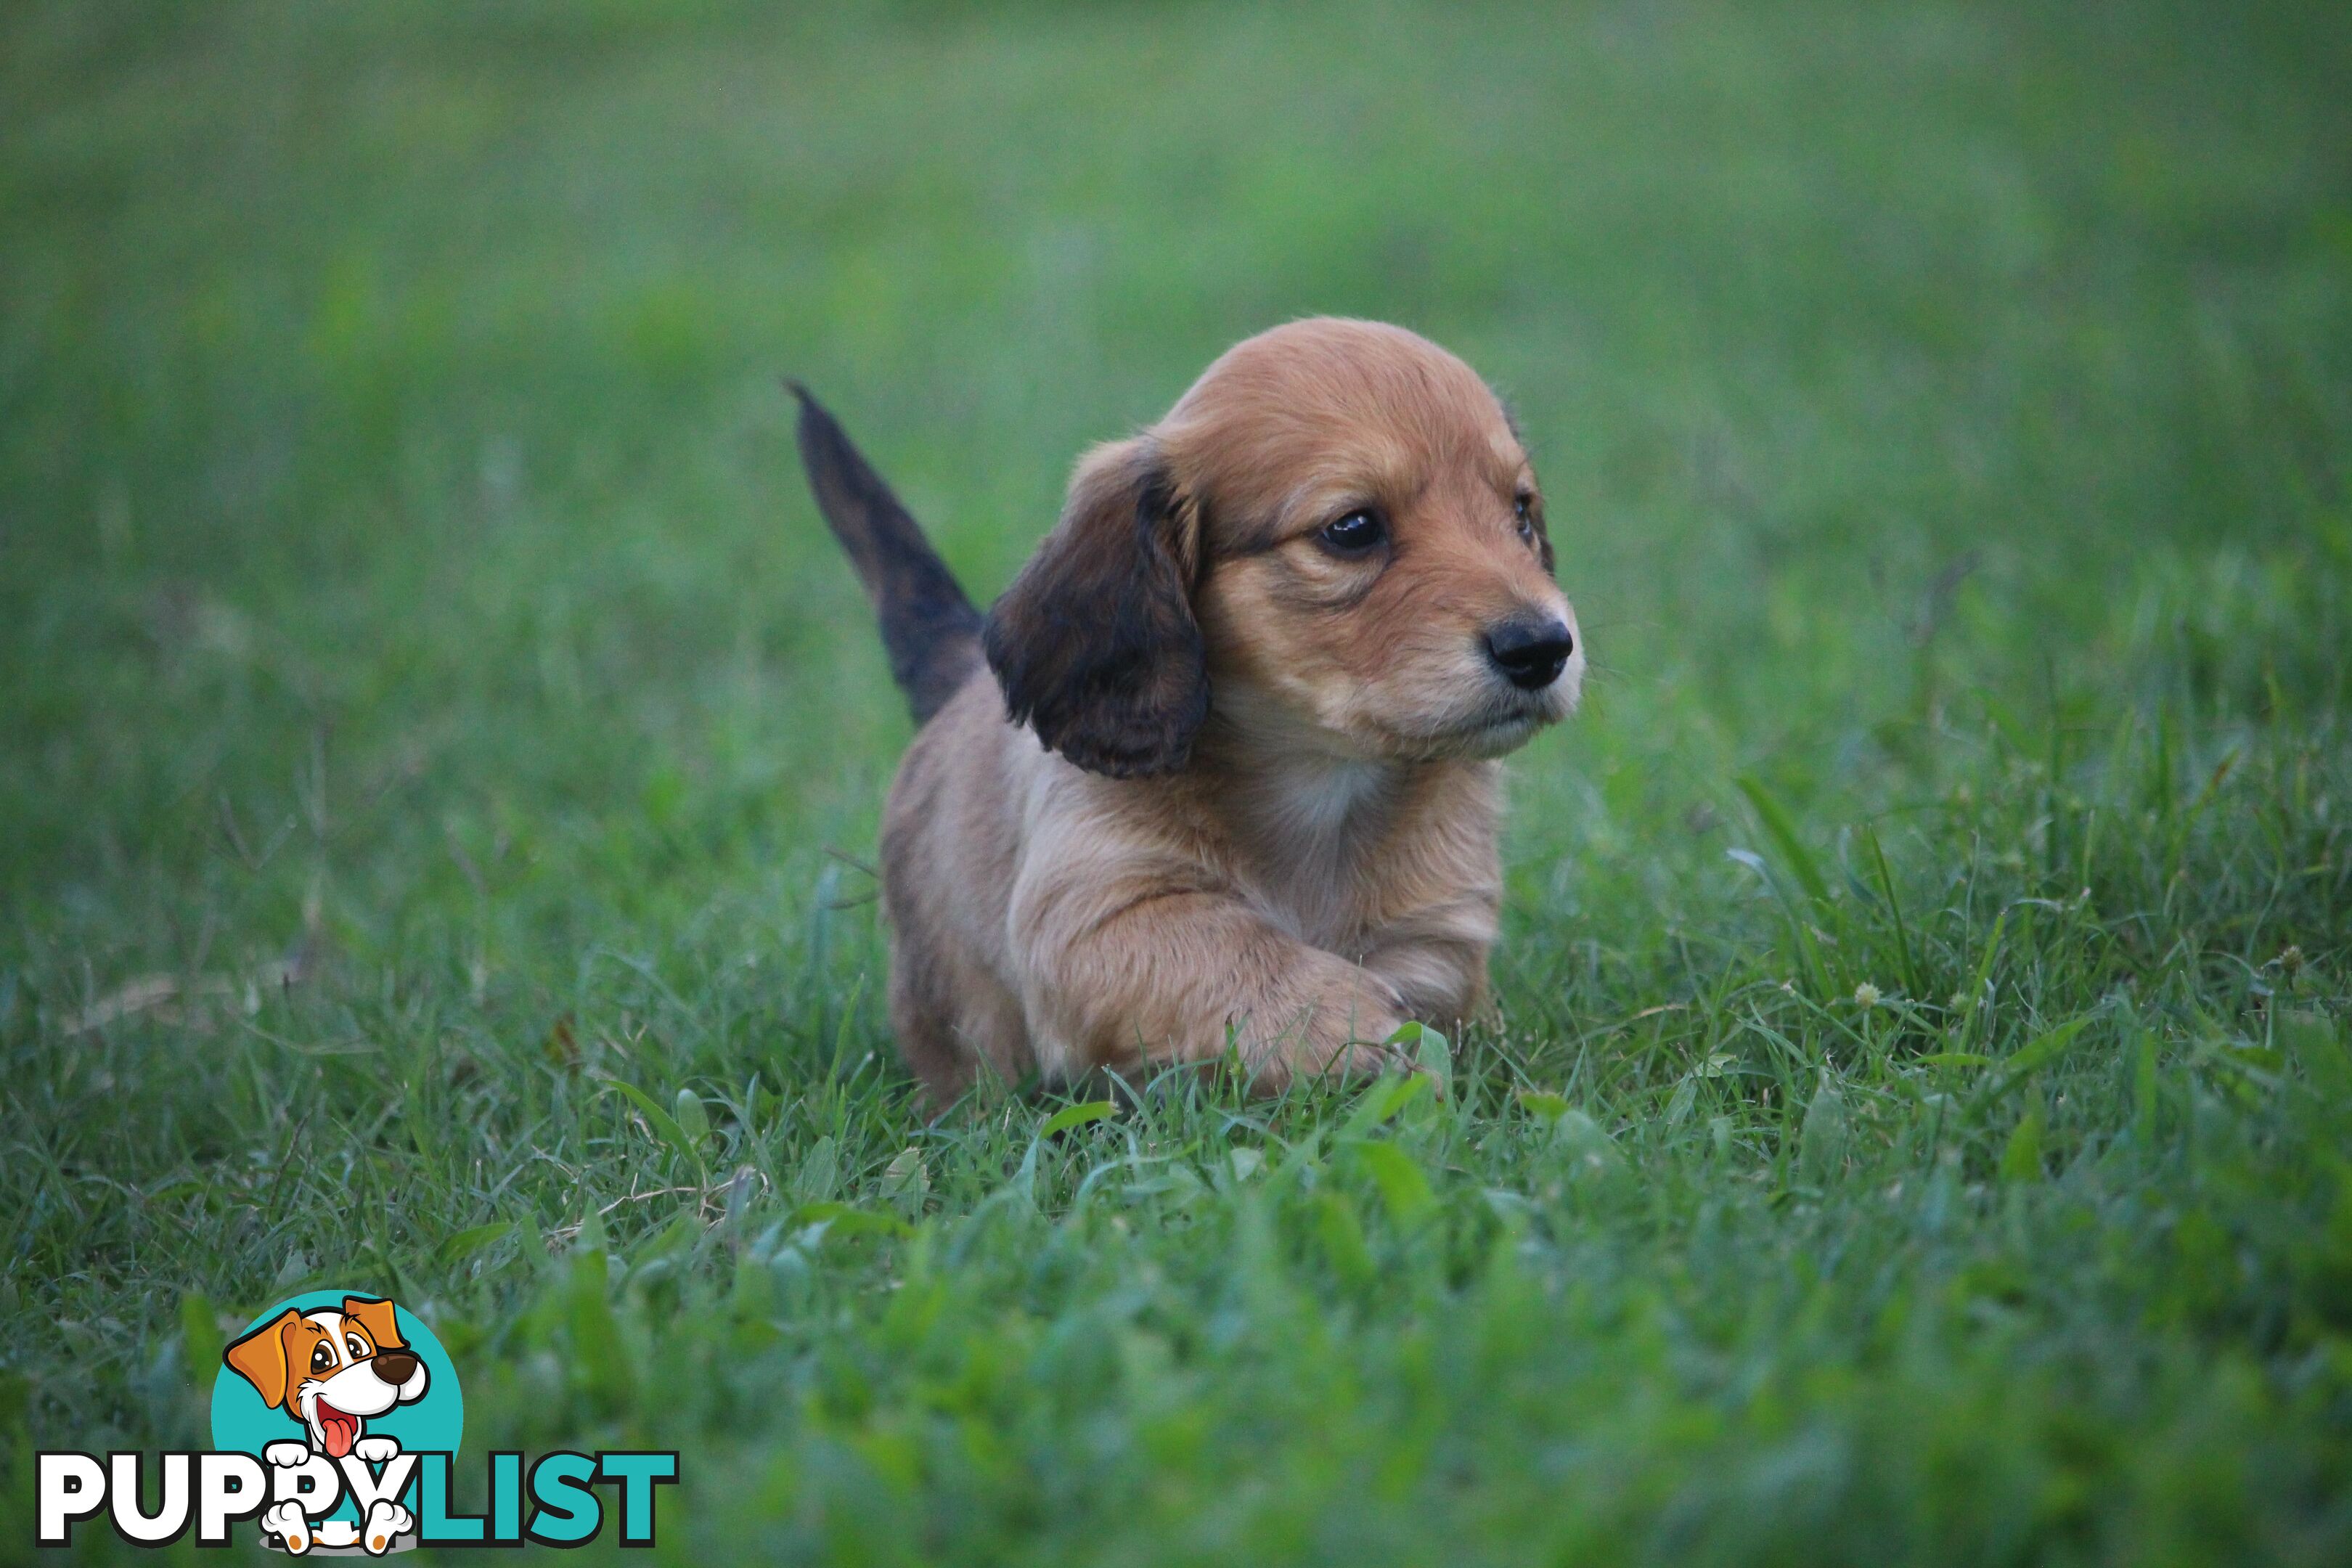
(377, 1450)
(1348, 1012)
(286, 1521)
(287, 1455)
(386, 1521)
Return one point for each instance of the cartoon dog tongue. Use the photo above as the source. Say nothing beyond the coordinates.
(340, 1431)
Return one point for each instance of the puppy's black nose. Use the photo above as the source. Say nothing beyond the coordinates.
(395, 1367)
(1530, 650)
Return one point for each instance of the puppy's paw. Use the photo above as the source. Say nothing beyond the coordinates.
(386, 1522)
(286, 1521)
(1347, 1013)
(287, 1455)
(377, 1450)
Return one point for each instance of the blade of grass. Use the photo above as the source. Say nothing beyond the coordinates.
(1894, 910)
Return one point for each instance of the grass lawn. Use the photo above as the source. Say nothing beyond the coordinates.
(440, 753)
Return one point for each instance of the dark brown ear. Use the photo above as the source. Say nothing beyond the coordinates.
(1095, 643)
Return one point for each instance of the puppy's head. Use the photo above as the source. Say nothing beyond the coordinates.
(1335, 529)
(331, 1370)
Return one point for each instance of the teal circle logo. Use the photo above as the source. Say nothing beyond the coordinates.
(328, 1379)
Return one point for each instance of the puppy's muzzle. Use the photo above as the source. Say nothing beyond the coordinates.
(1529, 651)
(395, 1367)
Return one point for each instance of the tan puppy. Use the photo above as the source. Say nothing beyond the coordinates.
(1218, 769)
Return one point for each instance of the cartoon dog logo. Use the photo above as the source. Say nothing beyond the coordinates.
(330, 1370)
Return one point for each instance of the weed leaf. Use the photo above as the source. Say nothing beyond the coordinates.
(1404, 1188)
(664, 1125)
(1071, 1116)
(1822, 1141)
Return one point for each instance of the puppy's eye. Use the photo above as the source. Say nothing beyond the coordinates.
(356, 1345)
(321, 1358)
(1525, 509)
(1354, 533)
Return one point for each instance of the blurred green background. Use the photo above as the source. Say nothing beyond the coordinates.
(427, 692)
(392, 392)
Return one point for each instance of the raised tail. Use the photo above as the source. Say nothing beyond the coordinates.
(929, 628)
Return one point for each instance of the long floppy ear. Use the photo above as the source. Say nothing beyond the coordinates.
(1095, 643)
(259, 1358)
(376, 1318)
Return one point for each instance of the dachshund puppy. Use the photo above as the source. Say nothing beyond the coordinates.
(1218, 771)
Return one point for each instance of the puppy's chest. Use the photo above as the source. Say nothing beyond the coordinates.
(1338, 854)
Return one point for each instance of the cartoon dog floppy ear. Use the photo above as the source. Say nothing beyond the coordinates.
(332, 1370)
(376, 1318)
(259, 1358)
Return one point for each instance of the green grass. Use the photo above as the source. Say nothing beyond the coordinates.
(427, 701)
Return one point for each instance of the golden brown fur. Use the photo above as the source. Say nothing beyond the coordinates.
(1269, 810)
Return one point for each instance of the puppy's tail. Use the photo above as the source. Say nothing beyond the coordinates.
(929, 628)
